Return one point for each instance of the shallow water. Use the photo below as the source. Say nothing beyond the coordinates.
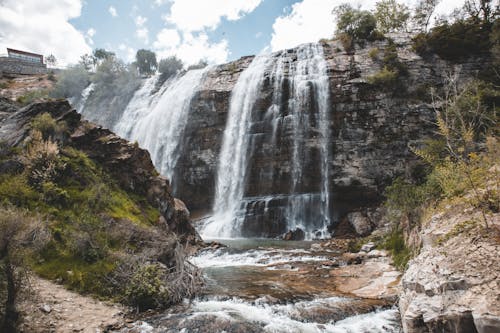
(262, 285)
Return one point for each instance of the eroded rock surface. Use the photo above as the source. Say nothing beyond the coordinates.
(453, 285)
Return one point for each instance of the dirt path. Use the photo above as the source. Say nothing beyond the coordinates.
(52, 308)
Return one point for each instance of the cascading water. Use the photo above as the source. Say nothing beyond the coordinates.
(231, 173)
(309, 79)
(157, 121)
(82, 99)
(299, 111)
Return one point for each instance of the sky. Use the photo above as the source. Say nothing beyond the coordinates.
(216, 31)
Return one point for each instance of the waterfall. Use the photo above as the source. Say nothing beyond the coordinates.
(309, 79)
(138, 107)
(82, 99)
(157, 121)
(299, 116)
(233, 158)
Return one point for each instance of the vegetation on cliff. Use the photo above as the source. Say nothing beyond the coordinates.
(64, 216)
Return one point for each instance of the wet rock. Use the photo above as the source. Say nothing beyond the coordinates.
(46, 308)
(296, 235)
(360, 223)
(367, 247)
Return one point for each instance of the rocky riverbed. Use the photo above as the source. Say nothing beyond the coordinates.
(256, 285)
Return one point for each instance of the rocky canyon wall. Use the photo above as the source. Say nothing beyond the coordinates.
(369, 128)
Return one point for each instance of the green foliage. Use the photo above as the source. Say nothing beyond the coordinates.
(455, 42)
(395, 244)
(115, 84)
(147, 289)
(423, 13)
(48, 126)
(357, 23)
(71, 82)
(145, 61)
(32, 96)
(169, 67)
(201, 64)
(391, 16)
(389, 78)
(386, 79)
(374, 53)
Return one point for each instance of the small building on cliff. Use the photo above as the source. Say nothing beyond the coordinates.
(22, 63)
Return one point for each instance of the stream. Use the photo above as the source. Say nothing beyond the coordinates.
(262, 285)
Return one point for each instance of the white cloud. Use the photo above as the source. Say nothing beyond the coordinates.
(140, 20)
(167, 38)
(161, 2)
(91, 32)
(311, 20)
(112, 11)
(142, 32)
(192, 48)
(197, 15)
(42, 26)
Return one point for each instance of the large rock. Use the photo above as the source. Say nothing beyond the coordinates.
(129, 165)
(361, 223)
(453, 284)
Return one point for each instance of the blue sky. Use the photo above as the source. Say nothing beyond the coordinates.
(214, 30)
(247, 35)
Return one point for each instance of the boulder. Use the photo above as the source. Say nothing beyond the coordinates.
(360, 223)
(296, 235)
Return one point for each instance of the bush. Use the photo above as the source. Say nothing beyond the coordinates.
(454, 42)
(385, 79)
(391, 16)
(395, 244)
(374, 53)
(359, 24)
(71, 82)
(48, 126)
(32, 96)
(169, 67)
(147, 289)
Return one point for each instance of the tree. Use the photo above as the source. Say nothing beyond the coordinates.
(423, 13)
(88, 62)
(356, 23)
(391, 16)
(101, 54)
(71, 82)
(51, 60)
(201, 64)
(146, 62)
(170, 66)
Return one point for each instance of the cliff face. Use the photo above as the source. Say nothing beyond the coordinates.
(128, 165)
(371, 129)
(453, 284)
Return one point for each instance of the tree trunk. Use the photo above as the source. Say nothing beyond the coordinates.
(11, 315)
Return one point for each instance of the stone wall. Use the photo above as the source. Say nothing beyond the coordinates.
(15, 66)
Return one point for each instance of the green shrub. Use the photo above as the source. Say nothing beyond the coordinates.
(456, 41)
(359, 24)
(33, 96)
(347, 42)
(385, 79)
(373, 53)
(47, 125)
(147, 289)
(395, 244)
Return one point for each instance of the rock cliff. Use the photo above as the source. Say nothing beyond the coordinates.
(129, 165)
(453, 284)
(370, 130)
